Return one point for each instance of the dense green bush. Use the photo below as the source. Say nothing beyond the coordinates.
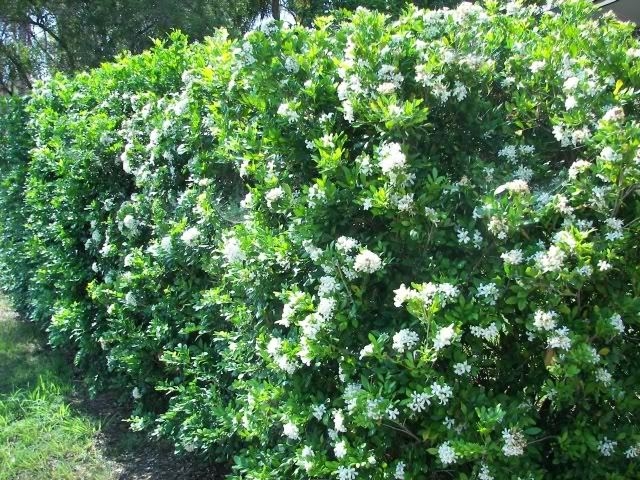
(371, 249)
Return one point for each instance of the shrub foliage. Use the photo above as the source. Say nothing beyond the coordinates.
(372, 249)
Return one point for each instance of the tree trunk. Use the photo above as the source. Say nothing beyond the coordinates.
(275, 9)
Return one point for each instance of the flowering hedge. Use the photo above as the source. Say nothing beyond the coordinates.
(373, 249)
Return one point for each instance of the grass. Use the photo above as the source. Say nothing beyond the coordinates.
(41, 435)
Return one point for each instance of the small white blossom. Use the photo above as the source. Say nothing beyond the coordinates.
(346, 244)
(290, 430)
(463, 236)
(404, 340)
(607, 447)
(570, 103)
(391, 158)
(443, 392)
(615, 114)
(318, 411)
(537, 66)
(232, 251)
(559, 339)
(489, 333)
(399, 472)
(489, 292)
(484, 473)
(633, 451)
(419, 401)
(273, 195)
(513, 257)
(190, 235)
(346, 473)
(616, 323)
(340, 449)
(578, 167)
(461, 368)
(603, 265)
(514, 442)
(604, 376)
(545, 320)
(366, 351)
(444, 337)
(447, 454)
(367, 262)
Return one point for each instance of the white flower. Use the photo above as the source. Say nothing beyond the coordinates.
(405, 203)
(489, 292)
(603, 265)
(232, 250)
(392, 413)
(463, 236)
(484, 473)
(571, 83)
(291, 65)
(419, 401)
(340, 449)
(367, 262)
(610, 155)
(559, 339)
(551, 260)
(577, 167)
(290, 430)
(346, 244)
(326, 306)
(443, 392)
(346, 473)
(461, 368)
(444, 337)
(285, 110)
(338, 421)
(165, 244)
(537, 66)
(130, 299)
(391, 158)
(607, 447)
(405, 339)
(570, 102)
(130, 222)
(514, 442)
(307, 451)
(189, 235)
(274, 346)
(616, 323)
(615, 114)
(273, 195)
(489, 333)
(633, 451)
(604, 376)
(135, 393)
(447, 454)
(561, 135)
(318, 411)
(399, 473)
(515, 186)
(545, 320)
(513, 257)
(366, 351)
(579, 136)
(403, 294)
(633, 53)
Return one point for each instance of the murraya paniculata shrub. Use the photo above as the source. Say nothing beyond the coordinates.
(377, 249)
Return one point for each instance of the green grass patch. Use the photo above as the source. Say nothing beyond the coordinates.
(41, 436)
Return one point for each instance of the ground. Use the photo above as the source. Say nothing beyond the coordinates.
(50, 429)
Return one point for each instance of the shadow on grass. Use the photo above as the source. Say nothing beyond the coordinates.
(50, 429)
